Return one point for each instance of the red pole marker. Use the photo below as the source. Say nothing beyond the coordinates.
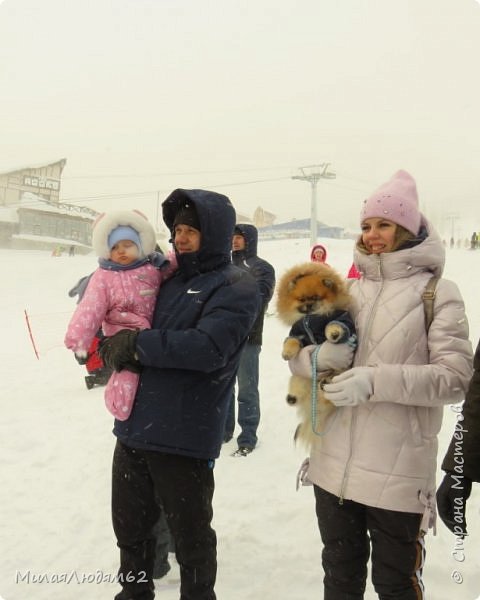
(31, 334)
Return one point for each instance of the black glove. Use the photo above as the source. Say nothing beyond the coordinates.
(452, 498)
(119, 351)
(81, 360)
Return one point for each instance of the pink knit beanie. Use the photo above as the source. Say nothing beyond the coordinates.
(396, 201)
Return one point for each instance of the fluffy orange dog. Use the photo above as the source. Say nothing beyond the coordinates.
(312, 298)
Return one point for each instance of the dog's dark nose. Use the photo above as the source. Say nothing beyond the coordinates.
(306, 309)
(291, 399)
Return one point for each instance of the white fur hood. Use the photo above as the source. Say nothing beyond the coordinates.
(106, 222)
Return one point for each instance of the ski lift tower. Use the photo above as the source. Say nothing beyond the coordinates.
(313, 174)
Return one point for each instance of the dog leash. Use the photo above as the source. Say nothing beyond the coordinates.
(314, 398)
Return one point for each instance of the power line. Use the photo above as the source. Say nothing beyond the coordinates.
(151, 192)
(172, 173)
(146, 193)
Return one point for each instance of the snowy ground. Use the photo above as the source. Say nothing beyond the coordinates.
(57, 446)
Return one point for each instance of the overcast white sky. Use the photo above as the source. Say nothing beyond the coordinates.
(142, 96)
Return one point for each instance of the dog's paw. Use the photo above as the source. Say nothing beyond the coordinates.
(291, 399)
(291, 347)
(337, 332)
(324, 380)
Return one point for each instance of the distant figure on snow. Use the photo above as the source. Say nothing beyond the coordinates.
(318, 253)
(244, 256)
(353, 272)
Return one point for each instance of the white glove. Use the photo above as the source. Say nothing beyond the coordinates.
(350, 388)
(336, 357)
(301, 364)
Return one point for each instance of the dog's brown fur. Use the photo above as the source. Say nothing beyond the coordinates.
(309, 288)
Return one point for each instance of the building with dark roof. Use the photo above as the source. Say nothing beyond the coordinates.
(31, 214)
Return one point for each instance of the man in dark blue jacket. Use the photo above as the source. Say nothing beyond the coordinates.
(188, 362)
(244, 255)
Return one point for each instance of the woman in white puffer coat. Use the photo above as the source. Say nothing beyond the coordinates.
(374, 470)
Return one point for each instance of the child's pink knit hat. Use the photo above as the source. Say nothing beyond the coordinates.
(397, 201)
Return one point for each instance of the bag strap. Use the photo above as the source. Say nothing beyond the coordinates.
(428, 298)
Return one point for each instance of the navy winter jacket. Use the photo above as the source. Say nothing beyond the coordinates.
(261, 270)
(190, 356)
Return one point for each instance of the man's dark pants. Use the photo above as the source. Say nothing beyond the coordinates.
(248, 398)
(185, 488)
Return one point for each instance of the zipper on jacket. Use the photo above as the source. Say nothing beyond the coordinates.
(354, 413)
(349, 460)
(373, 310)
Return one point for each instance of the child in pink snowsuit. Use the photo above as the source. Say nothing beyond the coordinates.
(121, 294)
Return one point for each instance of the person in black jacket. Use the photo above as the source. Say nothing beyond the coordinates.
(462, 460)
(188, 362)
(244, 255)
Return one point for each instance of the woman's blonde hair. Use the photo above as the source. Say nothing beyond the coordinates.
(402, 235)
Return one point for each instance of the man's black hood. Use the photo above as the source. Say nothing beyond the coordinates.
(250, 234)
(217, 221)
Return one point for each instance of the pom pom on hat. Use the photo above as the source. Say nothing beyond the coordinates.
(124, 232)
(397, 201)
(187, 215)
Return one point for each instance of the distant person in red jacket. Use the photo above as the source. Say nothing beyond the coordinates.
(353, 273)
(318, 253)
